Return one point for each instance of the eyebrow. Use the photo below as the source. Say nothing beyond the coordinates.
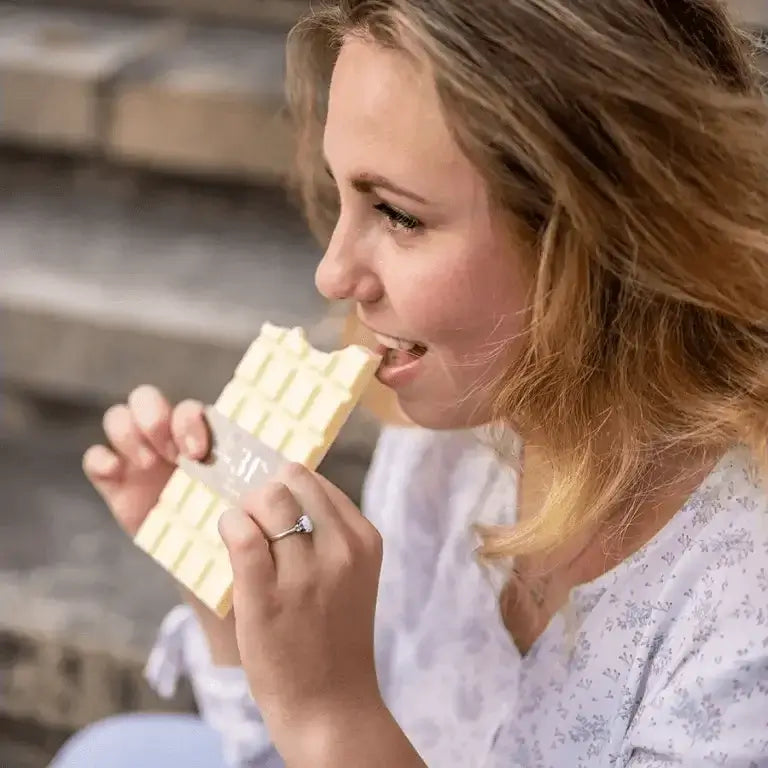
(366, 182)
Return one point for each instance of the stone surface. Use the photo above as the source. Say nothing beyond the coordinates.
(751, 12)
(14, 754)
(28, 744)
(54, 67)
(107, 283)
(255, 12)
(212, 105)
(79, 604)
(108, 280)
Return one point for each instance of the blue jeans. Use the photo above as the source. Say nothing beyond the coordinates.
(143, 741)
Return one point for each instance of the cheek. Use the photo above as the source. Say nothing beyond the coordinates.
(430, 305)
(460, 303)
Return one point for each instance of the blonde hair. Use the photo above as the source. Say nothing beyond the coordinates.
(628, 141)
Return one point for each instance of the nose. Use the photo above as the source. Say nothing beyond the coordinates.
(346, 271)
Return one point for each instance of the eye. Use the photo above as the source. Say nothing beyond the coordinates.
(397, 219)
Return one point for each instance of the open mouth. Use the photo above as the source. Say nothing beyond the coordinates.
(400, 357)
(395, 350)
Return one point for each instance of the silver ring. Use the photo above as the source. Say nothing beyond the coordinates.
(303, 525)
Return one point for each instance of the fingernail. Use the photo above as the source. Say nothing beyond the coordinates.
(146, 457)
(193, 446)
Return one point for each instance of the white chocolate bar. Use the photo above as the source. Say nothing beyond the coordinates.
(294, 399)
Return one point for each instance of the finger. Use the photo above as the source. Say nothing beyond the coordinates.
(126, 438)
(353, 518)
(275, 509)
(252, 565)
(346, 509)
(313, 500)
(151, 411)
(190, 430)
(104, 469)
(102, 466)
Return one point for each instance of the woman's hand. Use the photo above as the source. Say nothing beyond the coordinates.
(145, 437)
(304, 606)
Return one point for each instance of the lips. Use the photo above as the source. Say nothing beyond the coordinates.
(400, 359)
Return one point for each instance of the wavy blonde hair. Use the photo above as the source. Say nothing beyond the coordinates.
(628, 141)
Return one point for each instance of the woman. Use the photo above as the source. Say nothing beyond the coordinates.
(553, 215)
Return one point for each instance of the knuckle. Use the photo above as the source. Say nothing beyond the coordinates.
(155, 425)
(155, 428)
(294, 472)
(305, 590)
(374, 539)
(275, 494)
(240, 537)
(242, 540)
(376, 546)
(189, 408)
(300, 586)
(345, 555)
(272, 606)
(371, 542)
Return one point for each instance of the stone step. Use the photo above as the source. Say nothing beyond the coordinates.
(56, 67)
(213, 105)
(112, 279)
(752, 13)
(79, 604)
(285, 12)
(19, 754)
(159, 93)
(253, 12)
(109, 279)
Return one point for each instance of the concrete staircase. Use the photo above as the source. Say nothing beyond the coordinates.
(255, 13)
(144, 236)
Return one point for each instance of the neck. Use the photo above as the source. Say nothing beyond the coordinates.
(593, 552)
(540, 584)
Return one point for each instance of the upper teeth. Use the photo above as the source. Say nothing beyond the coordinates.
(395, 343)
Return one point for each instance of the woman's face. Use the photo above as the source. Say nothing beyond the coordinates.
(417, 245)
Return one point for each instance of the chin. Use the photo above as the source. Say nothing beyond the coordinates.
(432, 414)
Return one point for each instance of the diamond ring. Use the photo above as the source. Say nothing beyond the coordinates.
(303, 525)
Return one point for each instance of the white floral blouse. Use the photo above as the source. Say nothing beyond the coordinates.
(662, 661)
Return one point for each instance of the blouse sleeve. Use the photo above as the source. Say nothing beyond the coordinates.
(222, 693)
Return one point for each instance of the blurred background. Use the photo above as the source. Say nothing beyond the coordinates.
(145, 235)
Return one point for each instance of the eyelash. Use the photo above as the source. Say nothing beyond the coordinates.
(398, 219)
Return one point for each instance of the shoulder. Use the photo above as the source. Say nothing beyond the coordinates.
(714, 573)
(707, 682)
(712, 563)
(723, 539)
(694, 602)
